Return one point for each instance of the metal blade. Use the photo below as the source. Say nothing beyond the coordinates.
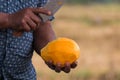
(53, 6)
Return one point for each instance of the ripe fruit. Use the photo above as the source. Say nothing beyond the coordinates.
(61, 50)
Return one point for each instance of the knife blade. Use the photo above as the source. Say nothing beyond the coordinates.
(53, 6)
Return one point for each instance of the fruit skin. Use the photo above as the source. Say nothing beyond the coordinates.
(61, 50)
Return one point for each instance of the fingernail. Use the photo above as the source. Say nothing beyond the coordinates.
(67, 64)
(50, 61)
(49, 13)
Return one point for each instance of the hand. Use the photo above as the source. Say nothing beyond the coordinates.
(42, 35)
(67, 67)
(26, 19)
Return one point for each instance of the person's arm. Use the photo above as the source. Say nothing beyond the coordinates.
(3, 20)
(42, 36)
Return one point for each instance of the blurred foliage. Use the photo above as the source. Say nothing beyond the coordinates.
(92, 1)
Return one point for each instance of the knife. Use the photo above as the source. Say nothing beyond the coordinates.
(51, 5)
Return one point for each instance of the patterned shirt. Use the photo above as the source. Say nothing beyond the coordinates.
(16, 52)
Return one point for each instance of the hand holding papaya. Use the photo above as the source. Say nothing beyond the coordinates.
(59, 54)
(58, 68)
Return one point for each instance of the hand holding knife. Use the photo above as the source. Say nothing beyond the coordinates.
(51, 5)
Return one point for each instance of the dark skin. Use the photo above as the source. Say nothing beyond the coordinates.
(24, 20)
(41, 40)
(27, 20)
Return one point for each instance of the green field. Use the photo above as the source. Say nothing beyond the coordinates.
(96, 28)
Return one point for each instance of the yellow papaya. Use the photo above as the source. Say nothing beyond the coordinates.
(61, 50)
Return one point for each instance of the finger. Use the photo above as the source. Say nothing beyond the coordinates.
(35, 18)
(48, 22)
(58, 68)
(66, 68)
(26, 27)
(41, 10)
(50, 65)
(31, 23)
(74, 64)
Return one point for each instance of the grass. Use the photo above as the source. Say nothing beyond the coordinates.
(96, 29)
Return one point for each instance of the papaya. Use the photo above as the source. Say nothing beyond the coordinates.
(61, 50)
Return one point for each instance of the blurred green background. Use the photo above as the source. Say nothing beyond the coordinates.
(95, 26)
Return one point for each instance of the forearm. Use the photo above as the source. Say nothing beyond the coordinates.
(42, 36)
(4, 20)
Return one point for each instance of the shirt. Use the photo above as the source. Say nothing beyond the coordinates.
(16, 52)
